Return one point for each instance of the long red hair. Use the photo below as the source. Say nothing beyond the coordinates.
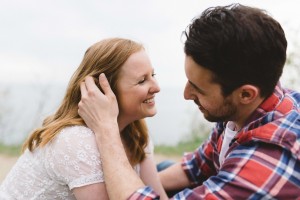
(106, 56)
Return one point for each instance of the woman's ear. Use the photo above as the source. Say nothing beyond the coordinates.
(248, 94)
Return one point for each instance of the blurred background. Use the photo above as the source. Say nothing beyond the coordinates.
(43, 42)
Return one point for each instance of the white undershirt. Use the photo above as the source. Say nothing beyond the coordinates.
(228, 136)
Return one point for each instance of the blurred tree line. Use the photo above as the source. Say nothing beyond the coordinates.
(199, 127)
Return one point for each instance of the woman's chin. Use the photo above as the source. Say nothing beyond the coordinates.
(151, 114)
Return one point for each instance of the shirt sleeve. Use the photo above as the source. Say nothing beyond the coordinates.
(145, 193)
(252, 171)
(199, 165)
(73, 158)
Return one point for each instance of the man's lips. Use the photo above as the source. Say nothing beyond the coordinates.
(199, 105)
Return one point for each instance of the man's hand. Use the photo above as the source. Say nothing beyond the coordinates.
(96, 107)
(100, 112)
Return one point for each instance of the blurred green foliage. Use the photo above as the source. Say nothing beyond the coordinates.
(11, 150)
(189, 144)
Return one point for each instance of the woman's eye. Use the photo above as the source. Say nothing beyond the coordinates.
(144, 79)
(141, 81)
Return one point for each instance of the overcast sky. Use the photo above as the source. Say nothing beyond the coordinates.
(44, 40)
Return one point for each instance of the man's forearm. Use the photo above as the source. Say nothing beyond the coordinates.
(120, 178)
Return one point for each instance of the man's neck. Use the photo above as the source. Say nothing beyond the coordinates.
(245, 112)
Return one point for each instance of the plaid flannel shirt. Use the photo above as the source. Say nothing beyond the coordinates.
(262, 162)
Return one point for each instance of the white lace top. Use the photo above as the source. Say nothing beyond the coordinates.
(71, 160)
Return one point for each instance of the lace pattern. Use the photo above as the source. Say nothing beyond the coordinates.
(71, 160)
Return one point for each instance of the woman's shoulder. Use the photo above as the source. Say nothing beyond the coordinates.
(75, 135)
(76, 130)
(72, 141)
(73, 157)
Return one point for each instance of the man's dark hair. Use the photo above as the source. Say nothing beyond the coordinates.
(240, 45)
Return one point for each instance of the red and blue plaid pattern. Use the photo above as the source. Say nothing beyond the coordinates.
(263, 161)
(145, 194)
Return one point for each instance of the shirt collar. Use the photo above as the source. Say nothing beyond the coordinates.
(269, 104)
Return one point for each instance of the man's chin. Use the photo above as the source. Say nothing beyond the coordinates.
(210, 118)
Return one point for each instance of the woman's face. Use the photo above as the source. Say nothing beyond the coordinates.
(136, 89)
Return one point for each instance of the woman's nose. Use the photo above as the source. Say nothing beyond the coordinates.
(155, 87)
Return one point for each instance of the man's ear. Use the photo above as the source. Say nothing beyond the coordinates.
(248, 93)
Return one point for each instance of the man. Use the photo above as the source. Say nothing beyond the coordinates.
(234, 59)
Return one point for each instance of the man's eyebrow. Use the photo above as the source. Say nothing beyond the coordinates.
(198, 89)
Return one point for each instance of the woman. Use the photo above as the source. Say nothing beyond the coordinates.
(61, 160)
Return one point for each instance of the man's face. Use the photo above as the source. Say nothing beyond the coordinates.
(206, 94)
